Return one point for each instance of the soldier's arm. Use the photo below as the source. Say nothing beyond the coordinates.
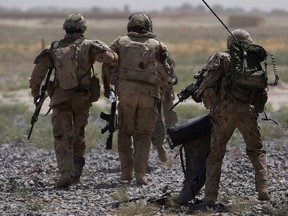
(106, 75)
(42, 63)
(212, 73)
(107, 69)
(102, 53)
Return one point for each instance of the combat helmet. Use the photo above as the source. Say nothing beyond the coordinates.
(75, 22)
(139, 21)
(239, 34)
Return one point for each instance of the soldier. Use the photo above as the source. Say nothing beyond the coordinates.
(72, 58)
(170, 117)
(141, 76)
(229, 113)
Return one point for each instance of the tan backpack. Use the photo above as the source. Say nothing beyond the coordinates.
(66, 63)
(136, 62)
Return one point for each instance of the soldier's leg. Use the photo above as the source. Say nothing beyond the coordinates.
(196, 153)
(146, 118)
(169, 116)
(125, 151)
(158, 138)
(250, 130)
(81, 108)
(63, 143)
(222, 130)
(126, 113)
(141, 156)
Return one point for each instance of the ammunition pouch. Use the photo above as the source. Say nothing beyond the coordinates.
(94, 88)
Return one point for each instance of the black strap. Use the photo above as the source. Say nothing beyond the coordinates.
(181, 158)
(268, 119)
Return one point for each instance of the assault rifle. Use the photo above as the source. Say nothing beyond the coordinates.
(111, 119)
(39, 103)
(189, 90)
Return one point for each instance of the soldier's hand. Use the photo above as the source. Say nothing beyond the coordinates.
(196, 98)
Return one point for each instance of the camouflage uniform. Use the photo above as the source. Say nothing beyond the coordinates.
(170, 117)
(227, 115)
(71, 106)
(138, 86)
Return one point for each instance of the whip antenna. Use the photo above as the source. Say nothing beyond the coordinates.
(219, 20)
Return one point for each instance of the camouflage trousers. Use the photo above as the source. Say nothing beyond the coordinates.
(222, 130)
(69, 120)
(137, 118)
(169, 116)
(159, 133)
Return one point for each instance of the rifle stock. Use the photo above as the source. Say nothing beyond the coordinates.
(39, 102)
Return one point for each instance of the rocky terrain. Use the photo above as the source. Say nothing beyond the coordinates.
(28, 174)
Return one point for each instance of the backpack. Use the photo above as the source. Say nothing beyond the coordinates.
(65, 60)
(137, 61)
(247, 65)
(248, 72)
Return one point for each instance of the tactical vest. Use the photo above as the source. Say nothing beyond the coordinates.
(138, 60)
(66, 63)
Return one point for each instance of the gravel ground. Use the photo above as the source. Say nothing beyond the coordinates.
(28, 174)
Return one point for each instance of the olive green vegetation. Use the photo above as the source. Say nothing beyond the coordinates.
(127, 208)
(187, 110)
(13, 122)
(15, 125)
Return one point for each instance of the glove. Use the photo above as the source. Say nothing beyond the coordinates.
(196, 98)
(106, 92)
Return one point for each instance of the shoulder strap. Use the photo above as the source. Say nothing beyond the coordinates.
(274, 71)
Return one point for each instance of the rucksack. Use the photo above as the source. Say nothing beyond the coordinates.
(248, 72)
(66, 60)
(136, 63)
(247, 68)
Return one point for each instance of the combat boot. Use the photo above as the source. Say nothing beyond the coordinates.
(141, 179)
(64, 181)
(209, 202)
(161, 153)
(186, 193)
(263, 193)
(126, 167)
(79, 163)
(262, 184)
(126, 175)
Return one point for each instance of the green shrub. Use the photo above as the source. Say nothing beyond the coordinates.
(282, 115)
(277, 211)
(188, 111)
(14, 120)
(15, 126)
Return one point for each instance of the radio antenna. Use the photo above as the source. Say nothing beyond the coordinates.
(219, 20)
